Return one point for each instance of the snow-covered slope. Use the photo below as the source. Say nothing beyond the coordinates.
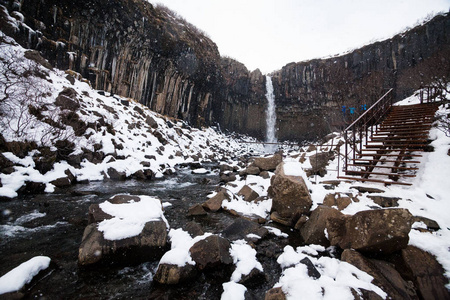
(88, 132)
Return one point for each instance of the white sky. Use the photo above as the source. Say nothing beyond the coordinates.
(268, 34)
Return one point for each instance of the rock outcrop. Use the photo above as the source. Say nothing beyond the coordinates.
(290, 195)
(380, 231)
(136, 50)
(95, 248)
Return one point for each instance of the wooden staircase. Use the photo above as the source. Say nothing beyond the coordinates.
(390, 152)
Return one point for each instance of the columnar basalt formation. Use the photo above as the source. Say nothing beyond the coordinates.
(130, 48)
(310, 95)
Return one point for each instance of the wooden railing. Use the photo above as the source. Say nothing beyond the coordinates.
(360, 131)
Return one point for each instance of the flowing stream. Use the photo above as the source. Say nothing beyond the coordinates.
(271, 117)
(53, 224)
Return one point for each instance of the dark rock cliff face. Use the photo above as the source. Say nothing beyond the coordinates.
(128, 47)
(310, 95)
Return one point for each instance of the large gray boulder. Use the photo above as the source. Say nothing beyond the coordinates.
(380, 231)
(149, 244)
(290, 194)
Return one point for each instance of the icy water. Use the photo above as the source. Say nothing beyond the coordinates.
(53, 224)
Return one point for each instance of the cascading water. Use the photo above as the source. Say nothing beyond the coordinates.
(271, 117)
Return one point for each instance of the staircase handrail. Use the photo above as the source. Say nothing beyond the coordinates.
(360, 127)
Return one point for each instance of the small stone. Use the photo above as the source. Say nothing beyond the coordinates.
(196, 210)
(365, 189)
(215, 203)
(385, 201)
(248, 193)
(275, 294)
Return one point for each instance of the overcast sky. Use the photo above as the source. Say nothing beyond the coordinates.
(268, 34)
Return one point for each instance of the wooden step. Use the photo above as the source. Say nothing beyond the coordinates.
(383, 167)
(373, 180)
(385, 141)
(352, 172)
(390, 155)
(405, 146)
(386, 161)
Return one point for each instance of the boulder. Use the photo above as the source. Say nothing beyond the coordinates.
(212, 252)
(319, 163)
(426, 273)
(268, 163)
(241, 228)
(194, 229)
(227, 177)
(290, 194)
(384, 201)
(248, 193)
(251, 170)
(265, 174)
(31, 188)
(197, 210)
(338, 200)
(174, 274)
(431, 224)
(150, 244)
(377, 231)
(313, 230)
(215, 203)
(275, 294)
(113, 174)
(366, 189)
(275, 217)
(384, 275)
(67, 99)
(151, 122)
(61, 182)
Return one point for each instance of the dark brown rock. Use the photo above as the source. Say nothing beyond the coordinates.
(151, 122)
(268, 163)
(67, 99)
(150, 244)
(378, 231)
(384, 201)
(212, 252)
(385, 276)
(172, 274)
(264, 174)
(426, 273)
(275, 294)
(197, 210)
(365, 189)
(31, 188)
(275, 216)
(194, 229)
(319, 163)
(290, 194)
(337, 199)
(240, 228)
(313, 230)
(123, 198)
(248, 193)
(431, 224)
(215, 203)
(251, 170)
(113, 174)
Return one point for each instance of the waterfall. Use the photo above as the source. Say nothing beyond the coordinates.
(271, 117)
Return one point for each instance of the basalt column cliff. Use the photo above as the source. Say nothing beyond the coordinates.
(130, 48)
(318, 96)
(135, 50)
